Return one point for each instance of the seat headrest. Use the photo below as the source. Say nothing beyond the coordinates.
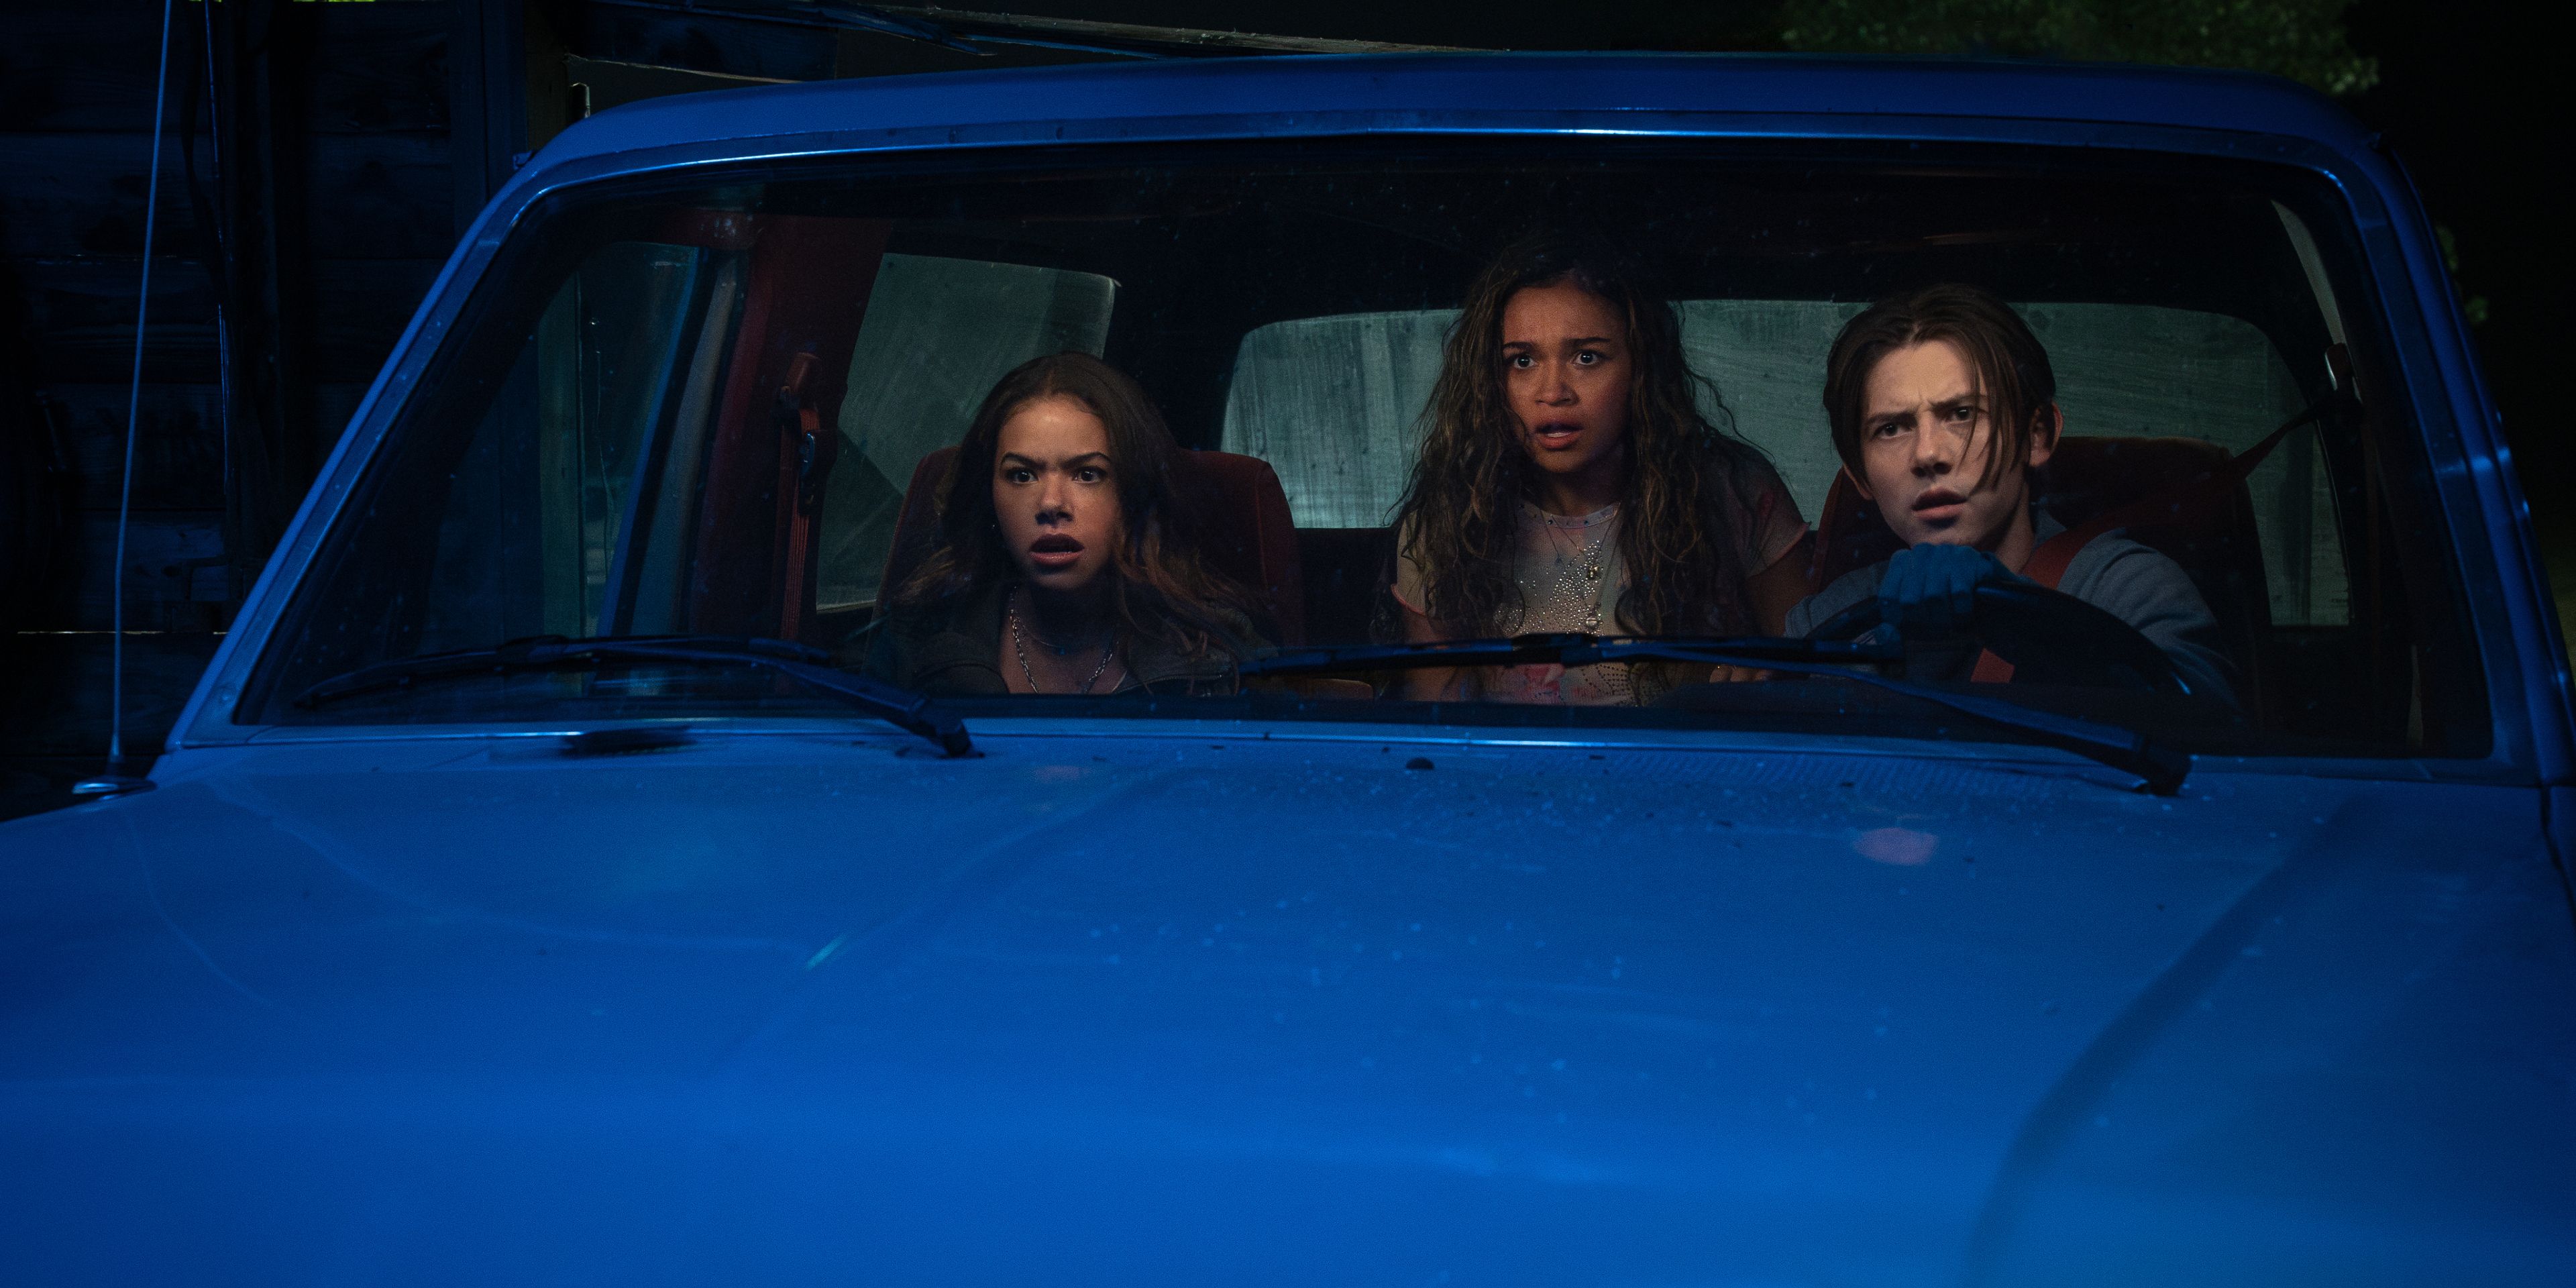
(2084, 477)
(2087, 476)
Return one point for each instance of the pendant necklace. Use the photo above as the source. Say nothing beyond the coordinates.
(1577, 588)
(1011, 612)
(1572, 589)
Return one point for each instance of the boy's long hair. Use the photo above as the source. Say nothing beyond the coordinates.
(1461, 511)
(2010, 365)
(1162, 588)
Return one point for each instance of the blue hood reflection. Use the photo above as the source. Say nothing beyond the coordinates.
(1143, 1008)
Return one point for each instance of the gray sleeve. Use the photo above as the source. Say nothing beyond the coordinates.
(1816, 609)
(2153, 594)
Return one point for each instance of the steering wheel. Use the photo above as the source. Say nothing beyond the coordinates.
(2049, 637)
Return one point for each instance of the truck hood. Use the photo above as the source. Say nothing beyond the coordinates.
(1157, 1006)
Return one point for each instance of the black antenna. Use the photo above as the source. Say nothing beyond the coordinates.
(219, 268)
(116, 780)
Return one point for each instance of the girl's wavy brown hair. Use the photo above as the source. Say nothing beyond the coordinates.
(1162, 588)
(1459, 514)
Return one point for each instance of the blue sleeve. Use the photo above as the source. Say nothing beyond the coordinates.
(1816, 609)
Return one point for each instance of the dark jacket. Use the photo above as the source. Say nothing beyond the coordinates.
(954, 647)
(2132, 582)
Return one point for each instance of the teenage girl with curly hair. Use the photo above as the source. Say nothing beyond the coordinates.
(1569, 482)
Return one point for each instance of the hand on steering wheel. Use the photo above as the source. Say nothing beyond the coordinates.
(2049, 637)
(1930, 591)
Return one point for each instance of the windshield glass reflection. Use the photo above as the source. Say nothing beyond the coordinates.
(2089, 438)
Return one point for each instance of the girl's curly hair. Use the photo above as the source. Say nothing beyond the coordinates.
(1458, 517)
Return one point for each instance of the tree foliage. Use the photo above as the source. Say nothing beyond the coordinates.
(2303, 40)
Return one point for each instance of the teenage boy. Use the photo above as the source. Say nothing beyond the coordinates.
(1942, 403)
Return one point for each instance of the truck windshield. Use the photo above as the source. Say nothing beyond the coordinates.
(1356, 393)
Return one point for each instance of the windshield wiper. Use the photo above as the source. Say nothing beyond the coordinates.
(896, 706)
(2160, 767)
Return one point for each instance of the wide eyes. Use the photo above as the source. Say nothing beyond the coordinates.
(1957, 414)
(1582, 358)
(1022, 476)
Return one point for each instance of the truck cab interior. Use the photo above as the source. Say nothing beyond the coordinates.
(720, 404)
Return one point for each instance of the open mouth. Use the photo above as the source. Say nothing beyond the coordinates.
(1940, 504)
(1055, 550)
(1556, 435)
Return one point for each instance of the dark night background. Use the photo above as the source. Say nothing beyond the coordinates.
(355, 138)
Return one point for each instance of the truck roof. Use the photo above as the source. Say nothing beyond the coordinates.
(1209, 97)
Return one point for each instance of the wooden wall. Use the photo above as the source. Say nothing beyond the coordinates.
(360, 199)
(356, 139)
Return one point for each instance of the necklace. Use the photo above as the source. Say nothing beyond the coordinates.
(1565, 588)
(1011, 613)
(1573, 585)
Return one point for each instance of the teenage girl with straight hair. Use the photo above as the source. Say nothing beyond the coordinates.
(1569, 482)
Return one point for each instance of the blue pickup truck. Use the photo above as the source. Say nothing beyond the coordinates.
(536, 890)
